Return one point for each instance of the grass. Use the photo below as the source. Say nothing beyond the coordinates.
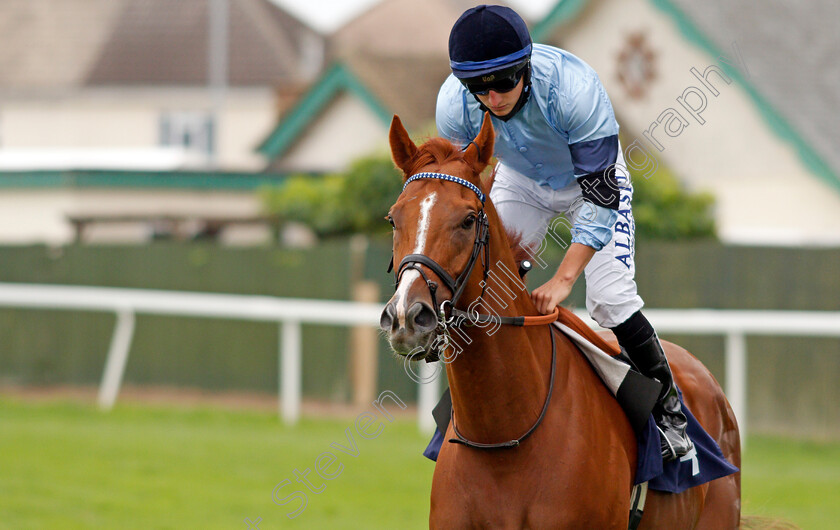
(66, 465)
(798, 480)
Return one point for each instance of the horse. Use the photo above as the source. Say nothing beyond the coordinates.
(576, 467)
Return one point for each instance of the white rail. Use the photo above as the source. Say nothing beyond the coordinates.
(735, 325)
(126, 303)
(290, 313)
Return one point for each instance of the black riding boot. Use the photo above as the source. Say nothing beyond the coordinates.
(670, 419)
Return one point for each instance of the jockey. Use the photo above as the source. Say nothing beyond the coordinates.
(558, 152)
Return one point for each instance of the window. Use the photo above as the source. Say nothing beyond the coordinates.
(191, 130)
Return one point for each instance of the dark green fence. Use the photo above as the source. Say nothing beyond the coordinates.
(791, 380)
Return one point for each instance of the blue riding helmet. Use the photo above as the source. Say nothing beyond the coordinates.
(490, 49)
(487, 39)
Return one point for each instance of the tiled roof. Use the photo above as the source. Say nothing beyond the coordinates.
(51, 44)
(791, 51)
(165, 42)
(400, 28)
(56, 45)
(405, 87)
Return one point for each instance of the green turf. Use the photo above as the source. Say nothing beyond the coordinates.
(70, 466)
(796, 480)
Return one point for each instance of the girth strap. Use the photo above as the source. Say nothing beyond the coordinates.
(637, 505)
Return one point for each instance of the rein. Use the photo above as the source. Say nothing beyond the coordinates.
(457, 286)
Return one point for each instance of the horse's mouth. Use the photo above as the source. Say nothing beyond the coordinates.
(415, 348)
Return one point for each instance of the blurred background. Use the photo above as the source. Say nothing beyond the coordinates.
(239, 147)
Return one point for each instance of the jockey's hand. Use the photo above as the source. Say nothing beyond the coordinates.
(549, 295)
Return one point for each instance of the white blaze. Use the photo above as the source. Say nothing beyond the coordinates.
(419, 246)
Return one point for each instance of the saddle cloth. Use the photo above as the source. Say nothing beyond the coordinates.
(637, 395)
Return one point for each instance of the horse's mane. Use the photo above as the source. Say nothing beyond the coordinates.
(520, 252)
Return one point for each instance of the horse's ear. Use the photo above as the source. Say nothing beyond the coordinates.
(480, 150)
(402, 148)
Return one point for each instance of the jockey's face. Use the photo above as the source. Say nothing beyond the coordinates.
(501, 103)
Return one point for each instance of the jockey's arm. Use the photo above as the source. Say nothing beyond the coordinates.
(593, 145)
(591, 231)
(549, 295)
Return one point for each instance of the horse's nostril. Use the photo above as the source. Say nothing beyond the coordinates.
(386, 320)
(422, 316)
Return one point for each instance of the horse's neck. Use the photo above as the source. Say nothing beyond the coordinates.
(499, 381)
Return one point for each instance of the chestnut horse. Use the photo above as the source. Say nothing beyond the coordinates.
(576, 468)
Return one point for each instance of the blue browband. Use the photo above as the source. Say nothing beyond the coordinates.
(450, 178)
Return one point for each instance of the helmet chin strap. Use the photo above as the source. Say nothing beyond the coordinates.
(523, 98)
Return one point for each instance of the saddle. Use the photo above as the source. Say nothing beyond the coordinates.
(636, 394)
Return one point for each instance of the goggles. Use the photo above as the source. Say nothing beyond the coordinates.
(502, 82)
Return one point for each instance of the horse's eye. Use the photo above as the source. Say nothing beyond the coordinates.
(468, 221)
(390, 220)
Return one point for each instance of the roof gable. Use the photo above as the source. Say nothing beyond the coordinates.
(409, 89)
(562, 12)
(811, 131)
(338, 78)
(799, 104)
(394, 57)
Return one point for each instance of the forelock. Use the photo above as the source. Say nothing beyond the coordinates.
(436, 151)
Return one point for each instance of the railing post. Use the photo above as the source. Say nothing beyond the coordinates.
(289, 377)
(364, 349)
(117, 357)
(736, 379)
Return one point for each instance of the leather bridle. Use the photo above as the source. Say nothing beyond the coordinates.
(456, 286)
(447, 313)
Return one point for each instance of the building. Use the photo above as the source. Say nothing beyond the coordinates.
(736, 98)
(389, 60)
(730, 97)
(122, 88)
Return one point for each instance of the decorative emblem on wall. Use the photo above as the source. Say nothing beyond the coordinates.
(636, 65)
